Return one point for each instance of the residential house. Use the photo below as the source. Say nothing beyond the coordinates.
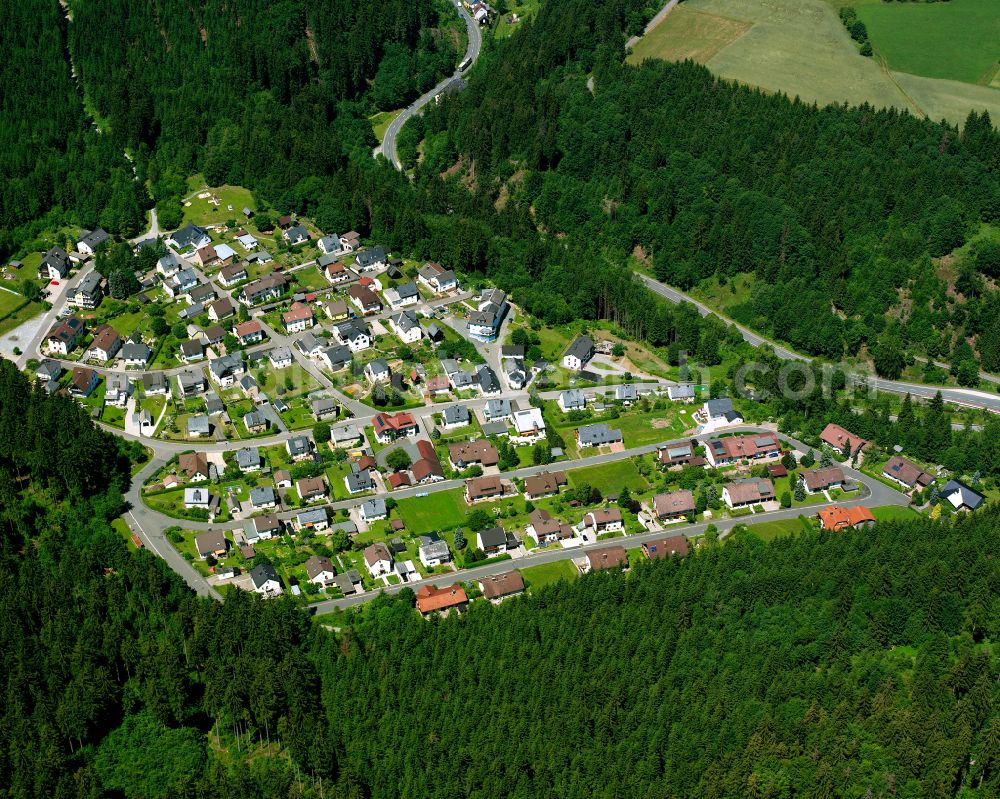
(105, 345)
(626, 394)
(280, 357)
(389, 426)
(679, 455)
(215, 335)
(337, 310)
(263, 497)
(437, 278)
(529, 426)
(323, 408)
(248, 459)
(221, 309)
(454, 416)
(296, 234)
(484, 323)
(267, 288)
(212, 543)
(492, 541)
(378, 559)
(197, 498)
(597, 435)
(579, 353)
(255, 422)
(344, 435)
(233, 274)
(299, 447)
(298, 318)
(498, 587)
(315, 519)
(135, 352)
(348, 583)
(365, 299)
(55, 265)
(83, 382)
(572, 400)
(487, 381)
(336, 272)
(961, 496)
(606, 559)
(63, 337)
(431, 599)
(546, 484)
(437, 386)
(546, 530)
(359, 480)
(188, 239)
(311, 489)
(88, 293)
(378, 371)
(406, 327)
(336, 358)
(191, 383)
(310, 344)
(198, 426)
(470, 453)
(743, 493)
(249, 332)
(265, 580)
(666, 547)
(427, 468)
(906, 473)
(371, 259)
(819, 480)
(48, 371)
(842, 440)
(402, 296)
(169, 265)
(433, 552)
(206, 256)
(247, 242)
(320, 571)
(683, 394)
(721, 411)
(92, 241)
(354, 333)
(194, 466)
(673, 505)
(733, 449)
(227, 369)
(330, 245)
(192, 350)
(604, 520)
(117, 391)
(484, 488)
(155, 383)
(836, 519)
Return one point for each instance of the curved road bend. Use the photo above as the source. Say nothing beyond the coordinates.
(959, 396)
(388, 147)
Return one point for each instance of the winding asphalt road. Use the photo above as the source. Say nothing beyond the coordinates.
(959, 396)
(388, 147)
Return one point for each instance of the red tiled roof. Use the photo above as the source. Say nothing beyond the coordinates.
(430, 598)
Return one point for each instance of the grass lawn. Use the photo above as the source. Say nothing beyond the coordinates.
(524, 10)
(9, 301)
(202, 212)
(780, 528)
(441, 510)
(801, 48)
(381, 121)
(650, 428)
(610, 478)
(958, 40)
(15, 311)
(689, 34)
(546, 573)
(891, 513)
(736, 291)
(310, 279)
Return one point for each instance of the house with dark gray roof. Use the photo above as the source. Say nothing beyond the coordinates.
(579, 353)
(189, 238)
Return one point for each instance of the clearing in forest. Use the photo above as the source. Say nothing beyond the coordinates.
(686, 33)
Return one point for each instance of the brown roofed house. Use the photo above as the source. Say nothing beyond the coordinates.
(822, 479)
(481, 488)
(500, 586)
(835, 436)
(606, 558)
(193, 465)
(212, 543)
(544, 485)
(431, 599)
(466, 453)
(666, 547)
(320, 570)
(906, 472)
(673, 505)
(311, 489)
(741, 493)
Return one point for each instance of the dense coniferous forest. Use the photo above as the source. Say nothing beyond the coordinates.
(858, 664)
